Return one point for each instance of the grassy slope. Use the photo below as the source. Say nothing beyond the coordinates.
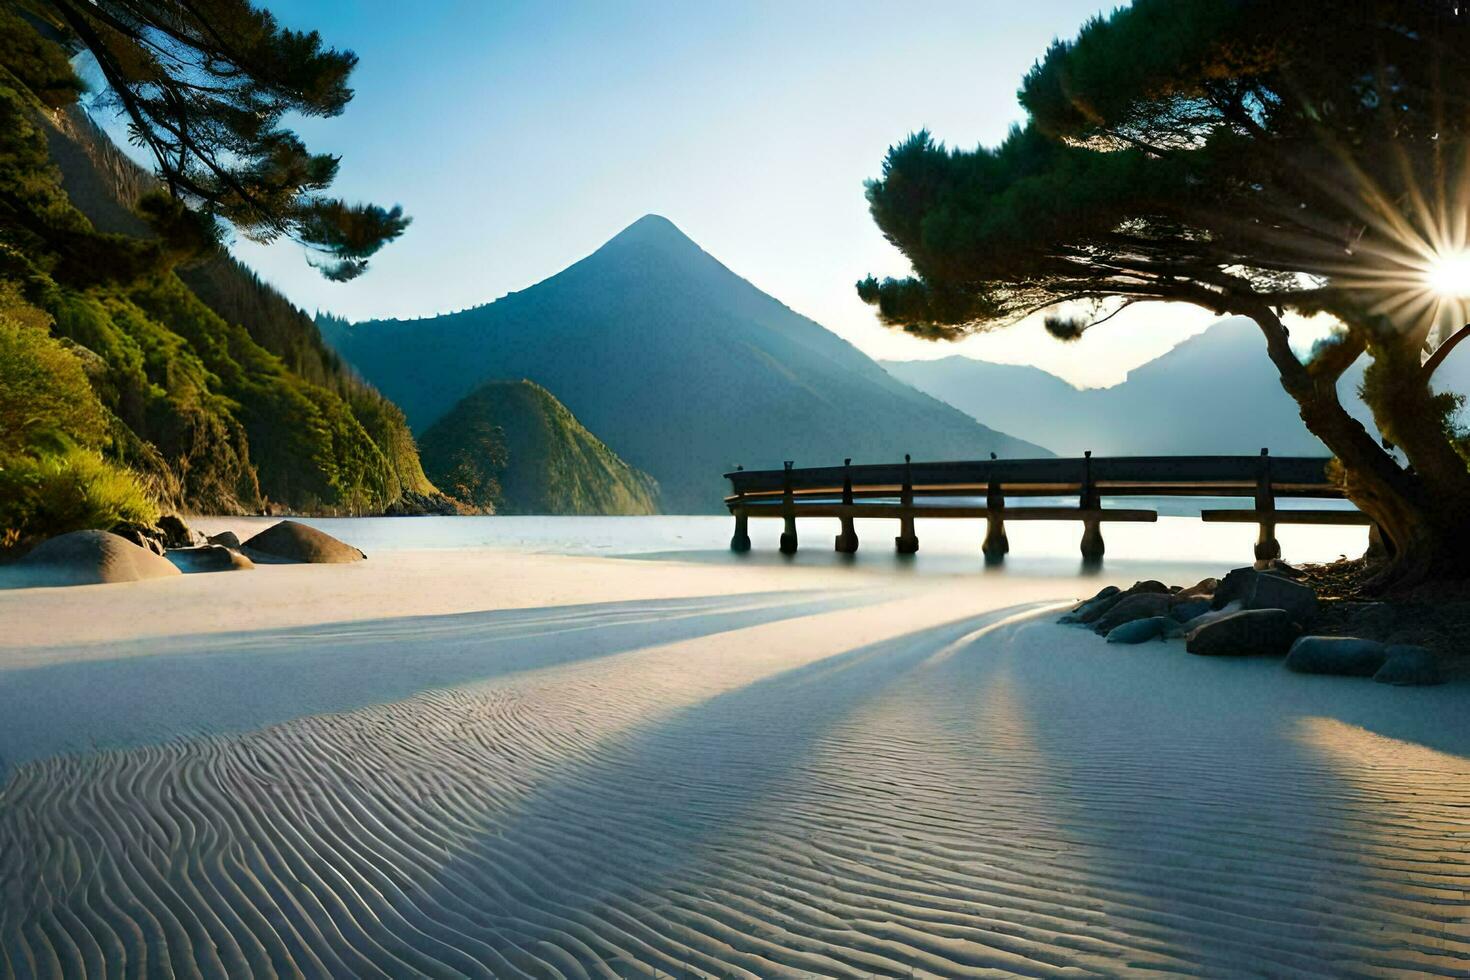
(551, 464)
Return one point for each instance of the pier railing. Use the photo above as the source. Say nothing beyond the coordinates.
(909, 490)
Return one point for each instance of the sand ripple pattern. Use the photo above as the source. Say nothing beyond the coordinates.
(966, 800)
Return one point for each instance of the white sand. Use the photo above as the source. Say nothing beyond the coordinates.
(494, 764)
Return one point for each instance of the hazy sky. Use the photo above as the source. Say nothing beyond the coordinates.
(520, 136)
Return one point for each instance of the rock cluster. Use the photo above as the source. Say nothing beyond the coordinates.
(131, 552)
(1263, 610)
(425, 505)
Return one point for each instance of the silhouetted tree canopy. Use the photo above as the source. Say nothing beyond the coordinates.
(205, 86)
(1248, 156)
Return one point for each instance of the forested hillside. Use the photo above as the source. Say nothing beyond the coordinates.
(215, 393)
(512, 447)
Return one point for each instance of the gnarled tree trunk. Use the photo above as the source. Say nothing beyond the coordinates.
(1423, 510)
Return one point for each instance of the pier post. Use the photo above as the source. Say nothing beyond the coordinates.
(1267, 547)
(907, 541)
(740, 540)
(1092, 539)
(847, 541)
(788, 511)
(996, 545)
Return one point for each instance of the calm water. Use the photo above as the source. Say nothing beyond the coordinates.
(946, 546)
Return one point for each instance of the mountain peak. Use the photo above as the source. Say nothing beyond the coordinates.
(653, 229)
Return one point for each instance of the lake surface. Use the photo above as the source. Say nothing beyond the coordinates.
(948, 547)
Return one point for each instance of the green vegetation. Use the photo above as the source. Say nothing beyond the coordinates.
(144, 368)
(52, 477)
(205, 86)
(1253, 158)
(512, 447)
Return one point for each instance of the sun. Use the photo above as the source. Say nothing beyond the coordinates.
(1448, 274)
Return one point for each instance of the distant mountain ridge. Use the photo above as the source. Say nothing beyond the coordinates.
(682, 367)
(511, 445)
(1216, 393)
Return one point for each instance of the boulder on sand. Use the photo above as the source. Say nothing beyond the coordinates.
(208, 558)
(1089, 609)
(1142, 630)
(1409, 665)
(89, 558)
(289, 541)
(1347, 656)
(1190, 625)
(1264, 632)
(227, 538)
(1189, 608)
(1255, 589)
(1144, 605)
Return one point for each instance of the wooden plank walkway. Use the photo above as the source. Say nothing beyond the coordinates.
(892, 491)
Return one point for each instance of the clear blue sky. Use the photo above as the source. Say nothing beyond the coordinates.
(520, 136)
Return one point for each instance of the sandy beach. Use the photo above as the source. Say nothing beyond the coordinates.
(489, 763)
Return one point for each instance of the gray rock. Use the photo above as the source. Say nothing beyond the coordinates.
(290, 541)
(1347, 656)
(177, 534)
(1204, 588)
(1089, 609)
(1409, 665)
(1255, 589)
(1142, 630)
(208, 558)
(1232, 587)
(89, 558)
(1271, 591)
(1209, 617)
(142, 535)
(1097, 607)
(1251, 632)
(227, 538)
(1140, 606)
(1183, 612)
(1148, 586)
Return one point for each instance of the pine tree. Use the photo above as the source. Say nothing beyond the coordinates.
(1251, 157)
(205, 86)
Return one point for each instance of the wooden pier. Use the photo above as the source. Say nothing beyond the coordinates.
(908, 490)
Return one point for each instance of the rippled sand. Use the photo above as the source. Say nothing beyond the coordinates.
(833, 781)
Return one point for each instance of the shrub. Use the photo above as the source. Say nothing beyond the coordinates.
(41, 496)
(44, 393)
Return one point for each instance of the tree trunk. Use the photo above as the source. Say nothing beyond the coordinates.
(1424, 517)
(1411, 416)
